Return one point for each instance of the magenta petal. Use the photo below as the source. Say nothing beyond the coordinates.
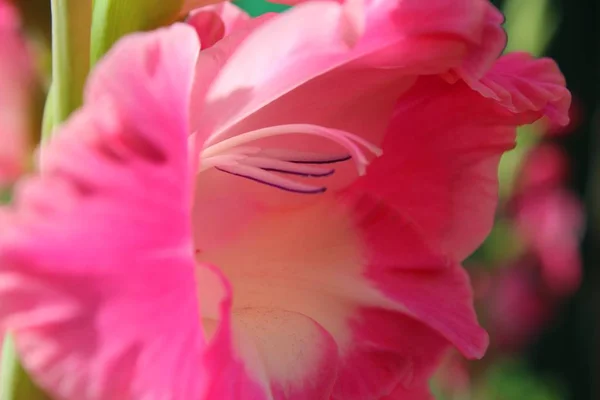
(445, 143)
(391, 352)
(228, 373)
(426, 286)
(524, 85)
(97, 258)
(282, 70)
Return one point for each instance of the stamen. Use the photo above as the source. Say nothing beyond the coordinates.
(233, 156)
(271, 179)
(287, 167)
(302, 157)
(343, 138)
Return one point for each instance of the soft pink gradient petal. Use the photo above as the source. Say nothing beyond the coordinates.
(254, 80)
(228, 372)
(297, 355)
(422, 284)
(313, 77)
(97, 276)
(215, 22)
(259, 351)
(444, 146)
(16, 89)
(310, 262)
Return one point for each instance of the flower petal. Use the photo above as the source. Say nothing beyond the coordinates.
(420, 282)
(217, 21)
(98, 277)
(283, 73)
(16, 90)
(528, 86)
(314, 78)
(304, 271)
(391, 352)
(444, 146)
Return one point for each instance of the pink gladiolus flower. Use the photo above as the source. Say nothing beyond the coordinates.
(546, 167)
(552, 223)
(224, 225)
(518, 308)
(550, 219)
(16, 83)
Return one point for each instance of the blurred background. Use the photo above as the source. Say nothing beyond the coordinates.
(536, 278)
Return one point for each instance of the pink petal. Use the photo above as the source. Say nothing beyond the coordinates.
(483, 54)
(228, 375)
(214, 22)
(16, 90)
(444, 146)
(263, 352)
(98, 277)
(212, 58)
(299, 275)
(282, 73)
(314, 77)
(285, 327)
(391, 352)
(527, 86)
(427, 286)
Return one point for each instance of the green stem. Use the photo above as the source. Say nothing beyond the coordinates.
(48, 122)
(71, 21)
(113, 19)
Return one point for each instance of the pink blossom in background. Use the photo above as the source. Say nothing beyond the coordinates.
(550, 218)
(16, 84)
(545, 167)
(518, 307)
(281, 215)
(552, 223)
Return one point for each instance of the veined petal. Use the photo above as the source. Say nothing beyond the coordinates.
(97, 279)
(445, 143)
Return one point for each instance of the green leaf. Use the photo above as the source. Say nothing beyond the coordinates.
(259, 7)
(15, 384)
